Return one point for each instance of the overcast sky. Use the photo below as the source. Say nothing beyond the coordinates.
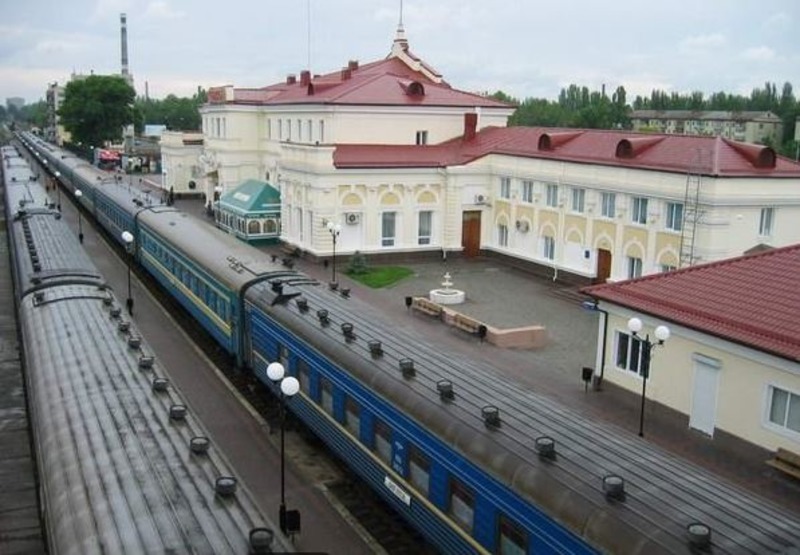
(523, 47)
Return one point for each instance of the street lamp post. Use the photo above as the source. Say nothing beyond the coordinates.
(127, 237)
(334, 230)
(58, 189)
(646, 350)
(289, 386)
(78, 195)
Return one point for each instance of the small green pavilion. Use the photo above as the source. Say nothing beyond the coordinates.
(251, 211)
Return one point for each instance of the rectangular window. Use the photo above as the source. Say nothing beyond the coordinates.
(527, 191)
(552, 195)
(326, 400)
(634, 267)
(280, 129)
(629, 353)
(639, 211)
(502, 235)
(674, 216)
(609, 205)
(388, 228)
(303, 375)
(299, 131)
(422, 137)
(269, 128)
(288, 130)
(512, 539)
(310, 129)
(505, 187)
(425, 227)
(462, 504)
(578, 200)
(283, 356)
(549, 248)
(784, 409)
(322, 131)
(352, 416)
(383, 441)
(419, 470)
(765, 224)
(668, 268)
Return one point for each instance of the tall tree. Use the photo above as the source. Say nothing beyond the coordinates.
(96, 108)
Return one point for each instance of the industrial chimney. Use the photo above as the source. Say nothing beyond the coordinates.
(123, 29)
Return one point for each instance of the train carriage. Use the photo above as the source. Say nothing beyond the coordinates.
(124, 466)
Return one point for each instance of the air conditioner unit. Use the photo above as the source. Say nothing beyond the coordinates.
(481, 199)
(352, 218)
(522, 226)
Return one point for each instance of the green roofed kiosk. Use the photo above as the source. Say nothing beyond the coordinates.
(251, 211)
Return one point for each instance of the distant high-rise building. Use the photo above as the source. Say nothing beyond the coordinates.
(15, 101)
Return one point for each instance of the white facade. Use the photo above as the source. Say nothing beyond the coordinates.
(717, 384)
(181, 168)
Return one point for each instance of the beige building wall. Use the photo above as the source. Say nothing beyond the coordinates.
(744, 378)
(180, 162)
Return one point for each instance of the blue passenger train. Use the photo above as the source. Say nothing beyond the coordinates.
(471, 460)
(124, 467)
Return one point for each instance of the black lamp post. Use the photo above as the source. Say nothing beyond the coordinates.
(127, 237)
(646, 350)
(58, 189)
(334, 230)
(289, 386)
(78, 195)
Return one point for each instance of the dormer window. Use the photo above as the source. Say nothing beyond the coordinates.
(415, 88)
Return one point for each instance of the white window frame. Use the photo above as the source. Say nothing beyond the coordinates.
(386, 240)
(608, 205)
(425, 238)
(674, 219)
(549, 247)
(527, 191)
(782, 428)
(551, 195)
(766, 221)
(505, 187)
(578, 200)
(639, 210)
(633, 355)
(422, 137)
(635, 267)
(502, 235)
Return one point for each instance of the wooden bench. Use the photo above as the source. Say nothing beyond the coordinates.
(428, 307)
(469, 325)
(787, 462)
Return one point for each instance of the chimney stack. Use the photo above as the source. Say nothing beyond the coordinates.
(305, 77)
(291, 79)
(470, 126)
(123, 24)
(352, 65)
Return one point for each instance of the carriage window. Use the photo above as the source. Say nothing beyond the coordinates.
(512, 539)
(303, 375)
(283, 357)
(419, 470)
(327, 395)
(352, 416)
(462, 504)
(383, 441)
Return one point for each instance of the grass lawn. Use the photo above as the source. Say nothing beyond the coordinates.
(381, 276)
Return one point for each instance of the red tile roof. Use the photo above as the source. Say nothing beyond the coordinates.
(753, 300)
(382, 83)
(670, 153)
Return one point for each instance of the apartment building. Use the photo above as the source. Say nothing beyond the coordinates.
(748, 126)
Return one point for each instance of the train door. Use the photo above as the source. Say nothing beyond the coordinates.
(471, 233)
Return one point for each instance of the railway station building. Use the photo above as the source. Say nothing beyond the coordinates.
(732, 359)
(407, 164)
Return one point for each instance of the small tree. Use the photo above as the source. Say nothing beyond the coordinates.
(358, 264)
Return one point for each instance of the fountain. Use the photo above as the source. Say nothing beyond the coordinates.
(447, 295)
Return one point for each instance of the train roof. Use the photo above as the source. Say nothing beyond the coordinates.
(663, 493)
(52, 253)
(115, 465)
(224, 256)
